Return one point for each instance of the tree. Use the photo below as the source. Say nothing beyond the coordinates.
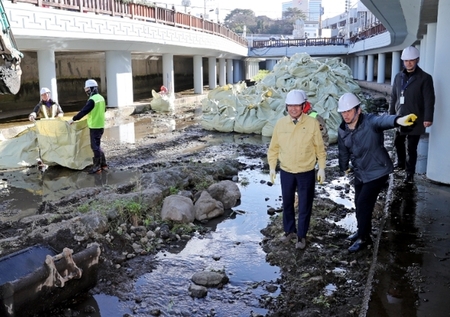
(237, 18)
(294, 14)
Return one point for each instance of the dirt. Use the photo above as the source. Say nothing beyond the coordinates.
(322, 280)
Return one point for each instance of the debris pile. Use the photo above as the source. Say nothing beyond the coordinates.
(256, 109)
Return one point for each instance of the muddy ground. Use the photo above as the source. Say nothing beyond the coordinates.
(309, 278)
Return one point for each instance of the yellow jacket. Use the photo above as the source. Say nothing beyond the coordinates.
(297, 146)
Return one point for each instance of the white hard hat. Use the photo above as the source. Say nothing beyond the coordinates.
(304, 95)
(44, 90)
(90, 83)
(295, 97)
(348, 101)
(410, 53)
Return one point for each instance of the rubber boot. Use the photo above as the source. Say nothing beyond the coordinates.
(96, 167)
(103, 163)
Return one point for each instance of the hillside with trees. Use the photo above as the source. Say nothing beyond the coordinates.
(238, 18)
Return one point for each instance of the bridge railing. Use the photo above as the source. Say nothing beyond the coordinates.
(296, 42)
(142, 12)
(375, 30)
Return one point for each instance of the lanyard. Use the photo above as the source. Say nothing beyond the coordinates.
(405, 83)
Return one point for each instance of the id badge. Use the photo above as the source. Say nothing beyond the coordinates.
(402, 100)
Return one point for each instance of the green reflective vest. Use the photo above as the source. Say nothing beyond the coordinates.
(313, 114)
(96, 118)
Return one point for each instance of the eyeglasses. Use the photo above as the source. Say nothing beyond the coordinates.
(301, 105)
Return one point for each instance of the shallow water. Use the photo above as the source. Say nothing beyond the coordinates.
(232, 246)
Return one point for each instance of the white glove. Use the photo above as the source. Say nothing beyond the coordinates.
(69, 122)
(407, 120)
(321, 175)
(273, 175)
(60, 115)
(32, 116)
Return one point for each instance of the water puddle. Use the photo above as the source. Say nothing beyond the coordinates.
(22, 191)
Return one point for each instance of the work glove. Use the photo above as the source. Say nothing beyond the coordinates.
(407, 120)
(69, 122)
(321, 175)
(32, 116)
(60, 115)
(273, 175)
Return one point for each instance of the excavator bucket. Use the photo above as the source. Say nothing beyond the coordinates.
(10, 72)
(59, 278)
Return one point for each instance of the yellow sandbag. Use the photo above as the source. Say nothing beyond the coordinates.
(63, 144)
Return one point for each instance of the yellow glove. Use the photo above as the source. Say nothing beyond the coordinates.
(321, 175)
(273, 175)
(407, 120)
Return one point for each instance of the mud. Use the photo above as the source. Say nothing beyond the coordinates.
(322, 280)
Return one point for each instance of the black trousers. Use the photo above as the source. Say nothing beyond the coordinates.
(406, 144)
(96, 137)
(304, 185)
(366, 195)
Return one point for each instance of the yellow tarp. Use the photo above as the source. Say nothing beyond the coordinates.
(53, 140)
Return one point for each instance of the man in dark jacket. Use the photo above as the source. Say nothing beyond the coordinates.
(94, 108)
(361, 141)
(412, 92)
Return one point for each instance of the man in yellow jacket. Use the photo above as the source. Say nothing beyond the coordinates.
(297, 143)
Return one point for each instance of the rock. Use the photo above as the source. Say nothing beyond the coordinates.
(207, 207)
(178, 208)
(207, 278)
(227, 192)
(198, 291)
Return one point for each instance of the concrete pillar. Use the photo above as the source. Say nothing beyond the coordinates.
(47, 72)
(168, 73)
(212, 73)
(370, 65)
(198, 74)
(237, 71)
(361, 67)
(438, 167)
(397, 65)
(230, 75)
(222, 72)
(428, 61)
(270, 64)
(119, 78)
(423, 53)
(102, 84)
(355, 67)
(381, 74)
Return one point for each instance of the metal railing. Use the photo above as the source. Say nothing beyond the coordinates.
(373, 31)
(297, 42)
(141, 12)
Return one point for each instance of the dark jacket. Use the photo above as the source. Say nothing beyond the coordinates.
(38, 109)
(419, 99)
(364, 147)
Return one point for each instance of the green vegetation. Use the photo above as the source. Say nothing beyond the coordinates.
(237, 19)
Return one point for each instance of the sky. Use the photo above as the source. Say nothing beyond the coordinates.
(270, 8)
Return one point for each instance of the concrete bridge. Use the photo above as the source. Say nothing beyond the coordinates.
(109, 40)
(118, 42)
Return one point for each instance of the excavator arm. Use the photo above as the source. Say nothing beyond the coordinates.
(10, 71)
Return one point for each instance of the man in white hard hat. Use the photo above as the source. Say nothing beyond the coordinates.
(46, 108)
(298, 145)
(361, 142)
(94, 108)
(412, 92)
